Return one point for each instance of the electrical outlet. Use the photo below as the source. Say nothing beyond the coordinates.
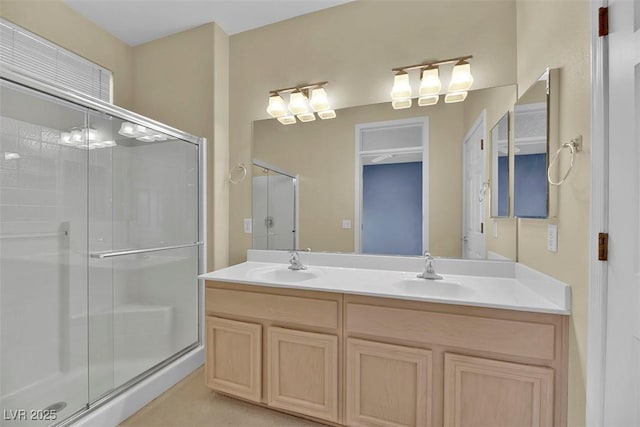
(248, 225)
(346, 224)
(552, 238)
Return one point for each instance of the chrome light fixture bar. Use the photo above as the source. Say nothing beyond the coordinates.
(305, 101)
(430, 84)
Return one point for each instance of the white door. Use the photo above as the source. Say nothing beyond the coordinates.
(622, 376)
(474, 192)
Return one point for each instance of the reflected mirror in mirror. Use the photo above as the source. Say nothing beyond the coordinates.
(500, 168)
(531, 146)
(273, 207)
(425, 144)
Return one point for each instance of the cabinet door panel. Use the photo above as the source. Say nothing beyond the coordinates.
(234, 357)
(303, 372)
(481, 392)
(388, 385)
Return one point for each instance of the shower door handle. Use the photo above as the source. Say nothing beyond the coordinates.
(103, 255)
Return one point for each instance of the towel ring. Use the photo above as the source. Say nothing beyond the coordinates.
(574, 146)
(242, 171)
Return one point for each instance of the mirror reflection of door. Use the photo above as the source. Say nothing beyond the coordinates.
(274, 218)
(475, 192)
(392, 187)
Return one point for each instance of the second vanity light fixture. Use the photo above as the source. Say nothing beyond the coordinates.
(430, 85)
(301, 106)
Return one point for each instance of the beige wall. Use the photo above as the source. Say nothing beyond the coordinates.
(323, 154)
(354, 47)
(58, 23)
(557, 35)
(181, 80)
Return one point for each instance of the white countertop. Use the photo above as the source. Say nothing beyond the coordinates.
(530, 292)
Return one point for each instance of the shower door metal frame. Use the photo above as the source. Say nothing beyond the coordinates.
(10, 75)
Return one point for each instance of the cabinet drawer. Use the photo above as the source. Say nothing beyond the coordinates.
(517, 338)
(298, 310)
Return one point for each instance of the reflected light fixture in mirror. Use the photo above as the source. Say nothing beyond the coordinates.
(430, 84)
(300, 106)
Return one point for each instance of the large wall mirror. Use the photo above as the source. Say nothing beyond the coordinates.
(532, 142)
(411, 159)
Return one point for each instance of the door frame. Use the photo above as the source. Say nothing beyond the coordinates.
(357, 216)
(599, 217)
(480, 122)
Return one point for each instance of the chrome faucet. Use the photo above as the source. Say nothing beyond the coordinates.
(429, 271)
(294, 263)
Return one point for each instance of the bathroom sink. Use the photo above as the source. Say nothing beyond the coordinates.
(282, 274)
(436, 288)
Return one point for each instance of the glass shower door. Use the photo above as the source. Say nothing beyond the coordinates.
(143, 229)
(43, 257)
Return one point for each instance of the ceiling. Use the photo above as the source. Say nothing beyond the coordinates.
(139, 21)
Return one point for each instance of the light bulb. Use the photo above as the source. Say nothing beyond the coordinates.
(91, 135)
(327, 114)
(430, 83)
(401, 104)
(452, 97)
(461, 78)
(424, 101)
(65, 137)
(76, 136)
(287, 120)
(126, 129)
(401, 88)
(277, 107)
(306, 117)
(319, 100)
(298, 103)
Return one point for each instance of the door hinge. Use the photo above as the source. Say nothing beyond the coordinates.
(603, 246)
(482, 144)
(603, 21)
(482, 228)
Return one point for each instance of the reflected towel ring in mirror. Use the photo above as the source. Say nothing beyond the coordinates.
(238, 174)
(574, 146)
(483, 192)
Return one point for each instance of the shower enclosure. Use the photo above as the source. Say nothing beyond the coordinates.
(100, 232)
(273, 207)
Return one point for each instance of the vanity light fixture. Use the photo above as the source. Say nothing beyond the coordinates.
(430, 84)
(300, 105)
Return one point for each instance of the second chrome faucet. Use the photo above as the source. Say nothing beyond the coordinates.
(429, 270)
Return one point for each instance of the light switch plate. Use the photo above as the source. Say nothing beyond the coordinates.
(552, 238)
(248, 225)
(495, 229)
(346, 224)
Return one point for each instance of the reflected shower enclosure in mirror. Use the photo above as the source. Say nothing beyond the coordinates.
(325, 157)
(500, 168)
(531, 148)
(274, 207)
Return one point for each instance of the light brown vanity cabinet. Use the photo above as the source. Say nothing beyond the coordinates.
(485, 367)
(276, 347)
(368, 361)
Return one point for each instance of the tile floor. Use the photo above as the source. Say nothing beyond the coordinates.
(191, 404)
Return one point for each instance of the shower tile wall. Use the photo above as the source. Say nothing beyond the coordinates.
(42, 263)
